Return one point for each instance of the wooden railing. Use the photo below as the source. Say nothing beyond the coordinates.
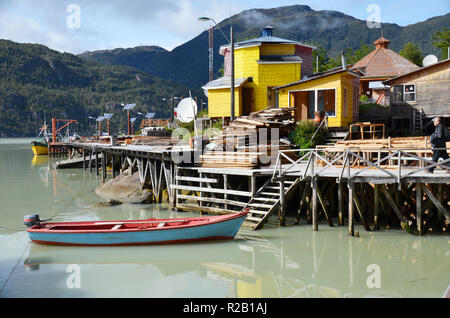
(315, 162)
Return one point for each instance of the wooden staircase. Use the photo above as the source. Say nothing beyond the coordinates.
(266, 201)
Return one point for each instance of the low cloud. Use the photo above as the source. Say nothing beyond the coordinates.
(109, 24)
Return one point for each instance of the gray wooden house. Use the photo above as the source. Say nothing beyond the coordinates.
(418, 96)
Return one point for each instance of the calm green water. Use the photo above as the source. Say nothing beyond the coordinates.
(292, 261)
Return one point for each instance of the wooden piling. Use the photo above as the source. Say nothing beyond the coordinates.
(96, 164)
(351, 228)
(324, 207)
(419, 207)
(282, 208)
(103, 167)
(314, 204)
(340, 204)
(376, 202)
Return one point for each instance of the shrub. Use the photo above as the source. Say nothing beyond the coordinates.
(303, 132)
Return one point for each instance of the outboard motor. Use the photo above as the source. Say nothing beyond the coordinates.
(30, 220)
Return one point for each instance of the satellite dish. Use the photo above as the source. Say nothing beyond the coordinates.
(186, 110)
(429, 59)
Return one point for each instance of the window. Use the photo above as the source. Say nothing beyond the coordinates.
(404, 93)
(409, 93)
(326, 101)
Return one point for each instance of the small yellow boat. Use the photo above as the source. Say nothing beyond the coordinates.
(39, 148)
(40, 145)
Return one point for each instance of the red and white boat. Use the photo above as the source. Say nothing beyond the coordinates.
(134, 232)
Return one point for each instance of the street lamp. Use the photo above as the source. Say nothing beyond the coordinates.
(231, 41)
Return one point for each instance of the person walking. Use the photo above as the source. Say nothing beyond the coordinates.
(438, 140)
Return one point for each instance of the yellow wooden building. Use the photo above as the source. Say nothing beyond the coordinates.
(335, 93)
(260, 65)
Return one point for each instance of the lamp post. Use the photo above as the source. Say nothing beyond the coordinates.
(231, 41)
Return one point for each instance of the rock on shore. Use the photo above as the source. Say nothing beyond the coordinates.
(125, 189)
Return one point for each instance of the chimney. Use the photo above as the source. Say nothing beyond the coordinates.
(344, 66)
(267, 31)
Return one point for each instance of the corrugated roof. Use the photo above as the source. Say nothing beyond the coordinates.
(321, 75)
(225, 82)
(265, 39)
(383, 62)
(389, 81)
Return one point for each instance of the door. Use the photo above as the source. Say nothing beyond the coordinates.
(248, 100)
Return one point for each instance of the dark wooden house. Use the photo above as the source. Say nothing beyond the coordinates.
(418, 96)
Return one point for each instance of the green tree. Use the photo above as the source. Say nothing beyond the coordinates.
(320, 55)
(412, 52)
(442, 41)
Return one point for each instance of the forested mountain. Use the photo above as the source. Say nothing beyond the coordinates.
(34, 78)
(330, 30)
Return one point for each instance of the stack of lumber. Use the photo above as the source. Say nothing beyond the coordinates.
(280, 118)
(406, 143)
(167, 142)
(229, 159)
(242, 144)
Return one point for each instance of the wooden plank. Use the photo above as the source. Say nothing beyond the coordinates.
(197, 208)
(260, 205)
(212, 200)
(212, 190)
(196, 179)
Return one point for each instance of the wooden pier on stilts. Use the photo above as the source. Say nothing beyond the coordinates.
(332, 187)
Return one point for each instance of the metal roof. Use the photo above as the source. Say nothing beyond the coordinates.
(225, 82)
(321, 75)
(389, 81)
(383, 62)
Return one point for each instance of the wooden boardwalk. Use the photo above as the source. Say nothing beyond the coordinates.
(324, 184)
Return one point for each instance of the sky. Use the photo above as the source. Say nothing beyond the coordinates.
(77, 26)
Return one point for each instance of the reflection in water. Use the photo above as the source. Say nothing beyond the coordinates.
(292, 261)
(308, 264)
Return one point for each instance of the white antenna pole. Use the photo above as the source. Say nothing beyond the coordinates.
(193, 113)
